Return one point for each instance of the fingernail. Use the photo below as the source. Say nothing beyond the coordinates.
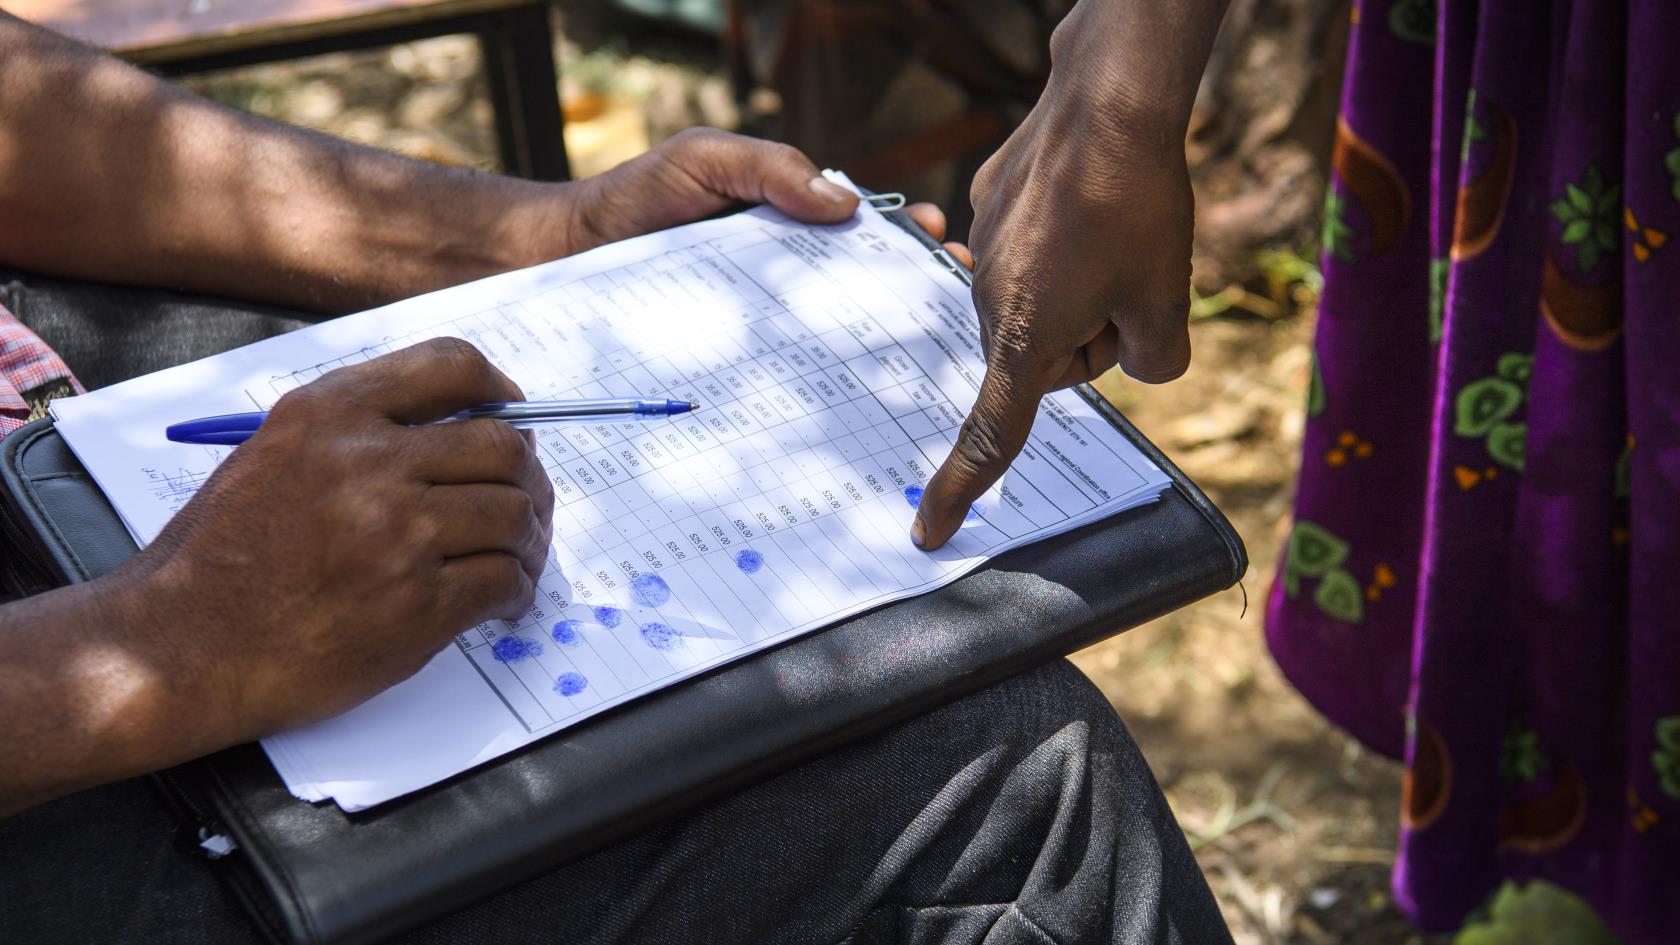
(918, 532)
(829, 190)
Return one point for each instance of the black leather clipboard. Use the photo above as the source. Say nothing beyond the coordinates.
(312, 874)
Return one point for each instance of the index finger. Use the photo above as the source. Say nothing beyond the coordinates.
(424, 382)
(987, 443)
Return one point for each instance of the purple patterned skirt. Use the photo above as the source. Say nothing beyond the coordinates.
(1484, 573)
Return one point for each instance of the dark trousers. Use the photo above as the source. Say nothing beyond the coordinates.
(1023, 813)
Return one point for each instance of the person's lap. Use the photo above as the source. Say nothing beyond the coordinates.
(1021, 813)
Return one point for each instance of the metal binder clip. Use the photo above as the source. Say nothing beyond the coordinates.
(886, 202)
(955, 268)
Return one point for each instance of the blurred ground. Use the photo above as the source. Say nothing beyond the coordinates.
(1292, 822)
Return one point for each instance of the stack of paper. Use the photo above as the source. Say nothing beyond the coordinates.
(833, 366)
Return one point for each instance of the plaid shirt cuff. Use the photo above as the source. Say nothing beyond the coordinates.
(31, 375)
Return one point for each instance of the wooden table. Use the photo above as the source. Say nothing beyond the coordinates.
(175, 37)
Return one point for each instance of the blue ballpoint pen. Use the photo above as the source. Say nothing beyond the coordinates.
(234, 428)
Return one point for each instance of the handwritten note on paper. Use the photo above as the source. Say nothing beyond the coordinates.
(833, 366)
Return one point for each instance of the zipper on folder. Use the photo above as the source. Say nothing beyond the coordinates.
(209, 838)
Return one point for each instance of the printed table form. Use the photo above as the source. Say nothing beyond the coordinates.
(832, 365)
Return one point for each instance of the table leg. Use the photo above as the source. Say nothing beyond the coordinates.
(524, 91)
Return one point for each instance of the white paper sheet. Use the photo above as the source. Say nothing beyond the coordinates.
(833, 366)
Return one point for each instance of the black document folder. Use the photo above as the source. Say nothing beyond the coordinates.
(313, 874)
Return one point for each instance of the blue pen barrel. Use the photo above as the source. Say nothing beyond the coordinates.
(228, 429)
(234, 428)
(543, 412)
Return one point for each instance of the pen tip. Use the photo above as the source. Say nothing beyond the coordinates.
(693, 405)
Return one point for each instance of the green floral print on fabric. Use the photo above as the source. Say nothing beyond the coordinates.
(1473, 129)
(1484, 407)
(1483, 403)
(1589, 215)
(1314, 552)
(1315, 393)
(1413, 21)
(1666, 759)
(1672, 161)
(1439, 269)
(1534, 913)
(1338, 235)
(1520, 757)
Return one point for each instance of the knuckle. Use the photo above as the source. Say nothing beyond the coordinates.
(978, 443)
(1001, 292)
(297, 404)
(425, 531)
(1012, 339)
(368, 523)
(1165, 309)
(515, 584)
(542, 500)
(505, 386)
(461, 358)
(503, 446)
(985, 180)
(781, 151)
(696, 140)
(503, 576)
(523, 513)
(456, 352)
(534, 553)
(691, 135)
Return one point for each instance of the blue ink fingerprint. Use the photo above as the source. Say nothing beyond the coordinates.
(609, 617)
(913, 497)
(649, 590)
(661, 637)
(514, 649)
(565, 633)
(748, 560)
(570, 684)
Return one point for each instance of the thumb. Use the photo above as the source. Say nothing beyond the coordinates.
(756, 171)
(793, 185)
(988, 442)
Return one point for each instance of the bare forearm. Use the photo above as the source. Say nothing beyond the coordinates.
(107, 173)
(87, 697)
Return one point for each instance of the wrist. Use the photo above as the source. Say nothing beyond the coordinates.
(439, 227)
(148, 694)
(1131, 68)
(540, 224)
(87, 695)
